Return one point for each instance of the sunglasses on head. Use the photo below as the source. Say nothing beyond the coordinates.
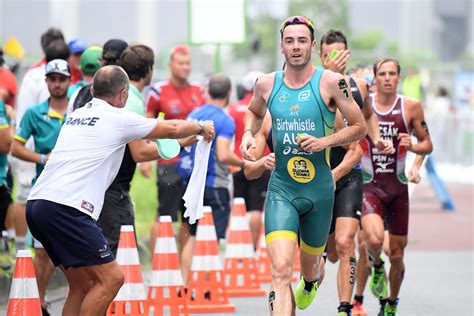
(297, 19)
(57, 65)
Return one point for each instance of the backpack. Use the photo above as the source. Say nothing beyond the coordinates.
(84, 95)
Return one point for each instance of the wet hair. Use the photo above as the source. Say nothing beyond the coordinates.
(219, 86)
(385, 60)
(57, 49)
(333, 36)
(136, 60)
(109, 81)
(51, 34)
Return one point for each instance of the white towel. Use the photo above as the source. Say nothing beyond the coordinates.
(194, 195)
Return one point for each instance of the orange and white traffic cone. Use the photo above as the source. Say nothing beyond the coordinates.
(166, 291)
(207, 292)
(131, 298)
(240, 265)
(24, 297)
(264, 264)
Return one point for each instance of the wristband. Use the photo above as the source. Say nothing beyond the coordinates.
(12, 123)
(43, 159)
(202, 129)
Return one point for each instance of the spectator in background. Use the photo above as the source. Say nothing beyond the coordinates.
(77, 47)
(253, 191)
(216, 192)
(176, 97)
(90, 63)
(112, 50)
(33, 90)
(42, 122)
(8, 84)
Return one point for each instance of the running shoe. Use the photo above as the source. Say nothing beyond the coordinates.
(358, 309)
(378, 281)
(344, 314)
(383, 303)
(304, 298)
(391, 310)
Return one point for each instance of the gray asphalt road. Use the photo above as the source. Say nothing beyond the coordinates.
(439, 277)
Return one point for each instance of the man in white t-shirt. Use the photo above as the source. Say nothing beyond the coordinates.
(67, 198)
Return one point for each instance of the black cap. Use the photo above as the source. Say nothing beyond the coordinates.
(112, 50)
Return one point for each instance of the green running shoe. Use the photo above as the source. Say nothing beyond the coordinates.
(304, 298)
(391, 310)
(378, 282)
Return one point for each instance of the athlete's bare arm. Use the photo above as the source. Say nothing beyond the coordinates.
(384, 146)
(256, 113)
(255, 169)
(414, 172)
(352, 156)
(417, 125)
(177, 129)
(336, 93)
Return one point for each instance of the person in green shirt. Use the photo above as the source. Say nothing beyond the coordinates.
(90, 63)
(6, 125)
(43, 122)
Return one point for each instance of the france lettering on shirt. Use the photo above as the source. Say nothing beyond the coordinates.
(89, 121)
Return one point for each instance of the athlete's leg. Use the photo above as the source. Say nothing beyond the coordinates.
(44, 268)
(255, 223)
(331, 248)
(107, 280)
(79, 285)
(363, 267)
(19, 210)
(346, 228)
(373, 225)
(282, 252)
(397, 266)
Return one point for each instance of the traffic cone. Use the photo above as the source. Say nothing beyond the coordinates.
(240, 265)
(131, 298)
(24, 298)
(166, 291)
(207, 292)
(264, 264)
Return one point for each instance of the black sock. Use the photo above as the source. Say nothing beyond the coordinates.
(394, 302)
(308, 285)
(359, 298)
(344, 307)
(378, 266)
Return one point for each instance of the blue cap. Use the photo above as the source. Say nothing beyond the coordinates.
(77, 46)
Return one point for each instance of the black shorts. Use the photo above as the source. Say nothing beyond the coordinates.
(253, 191)
(219, 200)
(117, 211)
(71, 238)
(348, 197)
(170, 191)
(5, 201)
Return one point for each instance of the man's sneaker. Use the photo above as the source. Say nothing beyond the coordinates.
(344, 309)
(378, 281)
(391, 310)
(383, 303)
(358, 309)
(303, 298)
